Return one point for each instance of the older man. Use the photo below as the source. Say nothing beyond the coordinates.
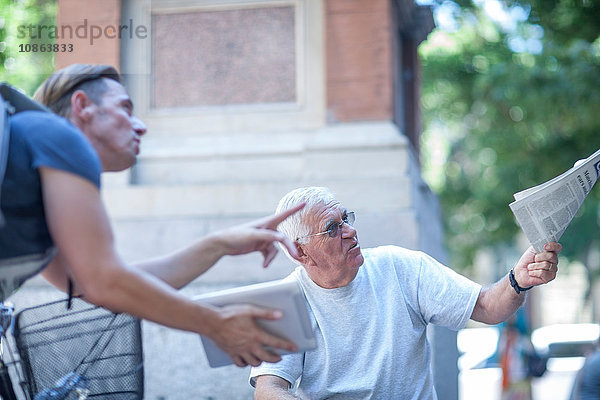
(370, 308)
(56, 222)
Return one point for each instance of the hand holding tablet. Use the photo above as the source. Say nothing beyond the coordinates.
(285, 296)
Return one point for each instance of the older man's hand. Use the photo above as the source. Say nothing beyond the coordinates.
(535, 269)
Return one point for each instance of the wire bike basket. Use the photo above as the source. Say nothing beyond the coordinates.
(83, 352)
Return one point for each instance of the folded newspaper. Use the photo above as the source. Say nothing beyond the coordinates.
(544, 211)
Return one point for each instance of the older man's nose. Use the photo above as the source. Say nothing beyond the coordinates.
(348, 230)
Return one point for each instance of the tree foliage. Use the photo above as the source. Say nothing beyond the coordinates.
(25, 69)
(514, 109)
(566, 20)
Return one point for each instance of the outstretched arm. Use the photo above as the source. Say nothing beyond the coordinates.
(181, 267)
(499, 301)
(80, 229)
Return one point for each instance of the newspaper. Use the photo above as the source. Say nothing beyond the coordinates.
(544, 211)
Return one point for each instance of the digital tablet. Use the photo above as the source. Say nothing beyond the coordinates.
(285, 296)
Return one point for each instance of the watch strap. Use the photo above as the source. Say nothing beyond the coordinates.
(514, 284)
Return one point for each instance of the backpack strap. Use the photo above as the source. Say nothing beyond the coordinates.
(4, 138)
(12, 101)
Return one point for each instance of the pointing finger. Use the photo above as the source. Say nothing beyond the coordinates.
(278, 218)
(269, 254)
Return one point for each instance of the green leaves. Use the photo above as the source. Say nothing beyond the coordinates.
(19, 65)
(509, 120)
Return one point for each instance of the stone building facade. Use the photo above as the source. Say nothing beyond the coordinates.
(245, 100)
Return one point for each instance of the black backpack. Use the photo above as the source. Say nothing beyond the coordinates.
(12, 102)
(14, 271)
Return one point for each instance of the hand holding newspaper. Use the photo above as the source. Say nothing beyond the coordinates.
(544, 211)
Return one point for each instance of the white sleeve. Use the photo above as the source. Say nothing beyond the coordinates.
(445, 297)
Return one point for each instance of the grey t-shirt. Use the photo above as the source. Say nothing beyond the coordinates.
(371, 334)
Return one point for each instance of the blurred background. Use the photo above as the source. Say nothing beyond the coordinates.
(424, 117)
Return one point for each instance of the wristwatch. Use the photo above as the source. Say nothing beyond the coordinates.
(514, 284)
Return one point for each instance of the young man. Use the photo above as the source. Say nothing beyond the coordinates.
(370, 308)
(54, 213)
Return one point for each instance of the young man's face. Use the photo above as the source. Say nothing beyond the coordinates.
(331, 261)
(113, 129)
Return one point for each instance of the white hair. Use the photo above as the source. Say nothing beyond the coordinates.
(294, 226)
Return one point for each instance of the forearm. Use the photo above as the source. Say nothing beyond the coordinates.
(125, 289)
(105, 281)
(497, 302)
(181, 267)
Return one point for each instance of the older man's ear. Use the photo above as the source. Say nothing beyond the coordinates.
(301, 254)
